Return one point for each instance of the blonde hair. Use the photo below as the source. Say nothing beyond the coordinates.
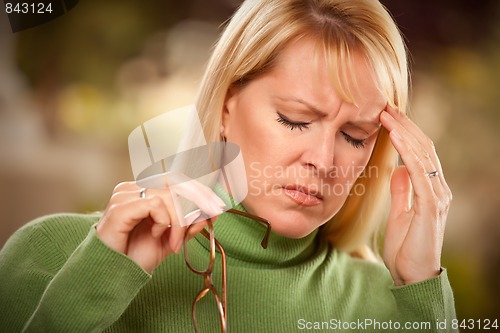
(250, 46)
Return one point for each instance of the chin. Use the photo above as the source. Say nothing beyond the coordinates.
(291, 227)
(286, 231)
(287, 222)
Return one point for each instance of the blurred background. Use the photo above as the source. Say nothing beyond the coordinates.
(72, 89)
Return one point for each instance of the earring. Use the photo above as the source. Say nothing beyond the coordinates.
(222, 133)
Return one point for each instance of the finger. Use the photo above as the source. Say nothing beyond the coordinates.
(412, 161)
(417, 132)
(125, 187)
(192, 190)
(398, 223)
(196, 227)
(424, 194)
(193, 216)
(129, 192)
(121, 218)
(187, 188)
(392, 124)
(158, 229)
(132, 212)
(168, 198)
(179, 178)
(431, 198)
(421, 145)
(178, 230)
(401, 193)
(176, 237)
(198, 224)
(410, 126)
(202, 196)
(124, 195)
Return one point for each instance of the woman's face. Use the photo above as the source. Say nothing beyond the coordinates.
(303, 146)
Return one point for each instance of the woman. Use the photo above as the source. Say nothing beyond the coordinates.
(314, 93)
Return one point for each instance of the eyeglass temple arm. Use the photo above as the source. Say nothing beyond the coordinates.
(265, 240)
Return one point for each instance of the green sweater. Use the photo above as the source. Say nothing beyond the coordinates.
(57, 276)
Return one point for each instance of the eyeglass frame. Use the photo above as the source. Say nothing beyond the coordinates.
(207, 274)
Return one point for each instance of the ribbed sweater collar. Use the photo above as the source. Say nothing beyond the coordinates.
(241, 237)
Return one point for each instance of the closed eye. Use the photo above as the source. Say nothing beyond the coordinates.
(292, 124)
(356, 143)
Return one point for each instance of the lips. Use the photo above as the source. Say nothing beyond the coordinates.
(303, 195)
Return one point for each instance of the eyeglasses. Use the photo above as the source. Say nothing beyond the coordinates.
(208, 285)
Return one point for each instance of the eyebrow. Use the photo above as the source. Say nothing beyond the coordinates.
(371, 123)
(375, 123)
(307, 104)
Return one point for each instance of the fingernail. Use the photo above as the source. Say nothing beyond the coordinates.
(202, 217)
(191, 217)
(220, 202)
(216, 210)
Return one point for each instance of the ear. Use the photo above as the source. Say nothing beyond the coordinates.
(230, 104)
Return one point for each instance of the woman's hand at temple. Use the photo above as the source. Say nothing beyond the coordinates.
(417, 219)
(146, 228)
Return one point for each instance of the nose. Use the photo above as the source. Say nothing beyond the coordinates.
(320, 153)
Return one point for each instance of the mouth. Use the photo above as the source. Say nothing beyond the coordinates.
(303, 195)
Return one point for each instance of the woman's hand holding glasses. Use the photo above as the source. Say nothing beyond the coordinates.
(143, 224)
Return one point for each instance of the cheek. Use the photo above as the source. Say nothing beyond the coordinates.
(363, 157)
(351, 162)
(258, 136)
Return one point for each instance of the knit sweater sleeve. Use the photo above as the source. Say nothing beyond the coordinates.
(47, 285)
(428, 302)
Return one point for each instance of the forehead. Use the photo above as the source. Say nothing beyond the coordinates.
(305, 69)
